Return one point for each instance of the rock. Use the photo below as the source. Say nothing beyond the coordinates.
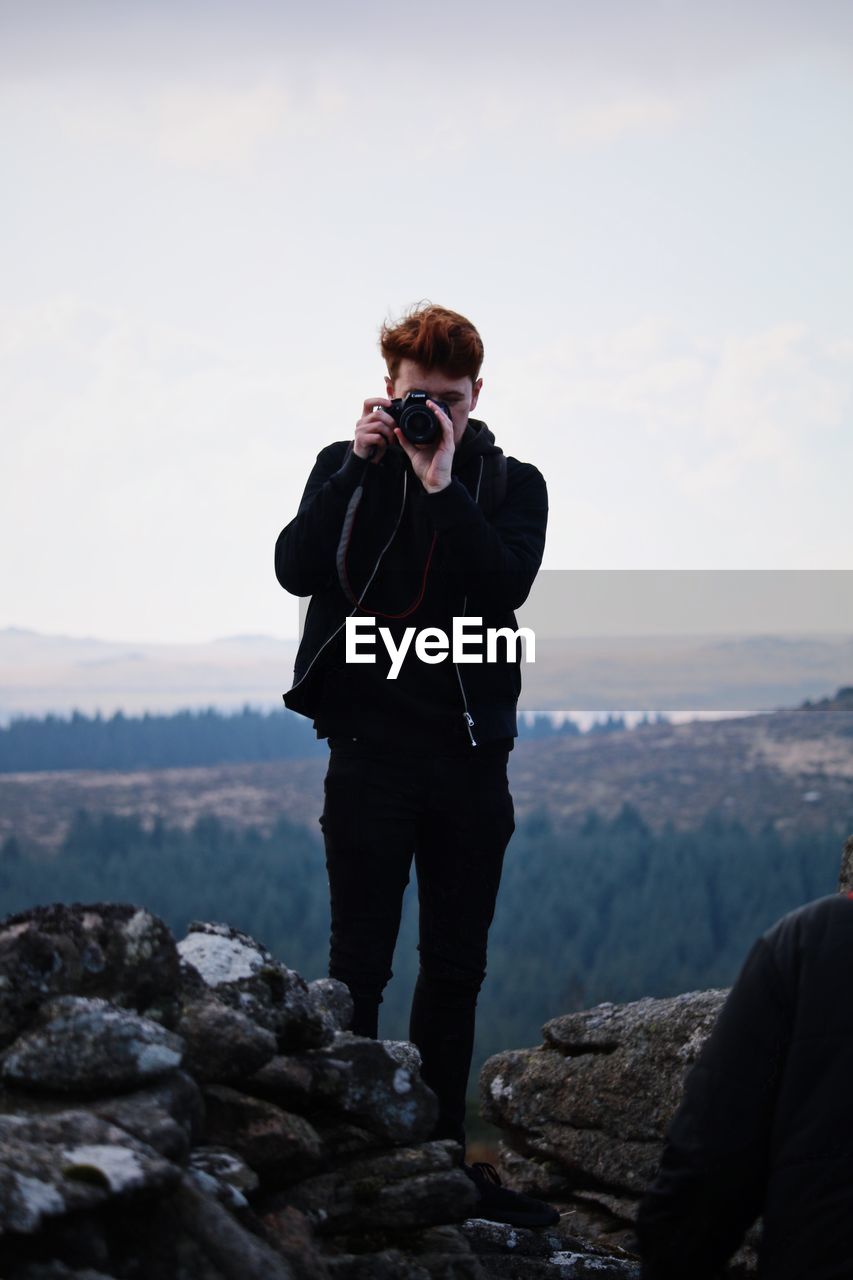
(357, 1079)
(486, 1237)
(596, 1098)
(80, 1044)
(55, 1271)
(225, 1166)
(333, 1000)
(168, 1115)
(280, 1146)
(223, 1174)
(227, 1125)
(291, 1234)
(342, 1140)
(566, 1265)
(517, 1251)
(590, 1216)
(222, 1044)
(245, 975)
(389, 1264)
(143, 1237)
(405, 1054)
(440, 1251)
(52, 1165)
(238, 1253)
(114, 950)
(394, 1264)
(78, 1240)
(444, 1251)
(584, 1117)
(383, 1091)
(409, 1187)
(544, 1179)
(311, 1081)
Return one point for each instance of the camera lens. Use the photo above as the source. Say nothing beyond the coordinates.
(418, 425)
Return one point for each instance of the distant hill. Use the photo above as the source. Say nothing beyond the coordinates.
(41, 673)
(791, 770)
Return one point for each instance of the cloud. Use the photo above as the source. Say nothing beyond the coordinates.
(656, 40)
(773, 398)
(218, 89)
(201, 126)
(570, 116)
(143, 473)
(713, 411)
(604, 122)
(193, 125)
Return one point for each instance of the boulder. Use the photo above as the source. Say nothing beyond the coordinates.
(595, 1099)
(110, 949)
(53, 1165)
(409, 1187)
(279, 1145)
(198, 1109)
(356, 1079)
(79, 1044)
(168, 1114)
(242, 973)
(222, 1044)
(584, 1117)
(521, 1254)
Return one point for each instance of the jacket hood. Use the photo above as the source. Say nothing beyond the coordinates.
(476, 439)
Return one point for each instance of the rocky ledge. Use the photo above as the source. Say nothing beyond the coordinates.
(195, 1110)
(584, 1115)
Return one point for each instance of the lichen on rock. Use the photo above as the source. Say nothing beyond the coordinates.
(196, 1108)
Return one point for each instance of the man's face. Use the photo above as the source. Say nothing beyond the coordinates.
(460, 394)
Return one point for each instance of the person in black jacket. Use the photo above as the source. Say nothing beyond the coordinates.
(414, 535)
(765, 1127)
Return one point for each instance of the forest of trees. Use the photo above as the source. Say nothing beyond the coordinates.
(601, 910)
(151, 741)
(184, 738)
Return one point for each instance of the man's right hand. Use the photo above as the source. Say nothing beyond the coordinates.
(374, 431)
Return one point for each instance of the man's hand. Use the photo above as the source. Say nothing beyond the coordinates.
(432, 465)
(374, 430)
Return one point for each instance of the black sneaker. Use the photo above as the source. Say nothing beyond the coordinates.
(499, 1204)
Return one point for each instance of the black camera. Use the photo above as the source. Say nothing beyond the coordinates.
(415, 419)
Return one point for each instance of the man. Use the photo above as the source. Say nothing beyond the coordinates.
(414, 535)
(766, 1124)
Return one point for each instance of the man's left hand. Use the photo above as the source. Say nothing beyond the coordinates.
(432, 465)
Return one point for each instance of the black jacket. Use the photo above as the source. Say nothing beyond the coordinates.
(450, 555)
(765, 1127)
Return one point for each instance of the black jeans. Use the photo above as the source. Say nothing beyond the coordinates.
(454, 813)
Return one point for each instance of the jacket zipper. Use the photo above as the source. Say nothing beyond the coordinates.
(466, 714)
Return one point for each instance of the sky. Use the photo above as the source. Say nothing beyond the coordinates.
(209, 209)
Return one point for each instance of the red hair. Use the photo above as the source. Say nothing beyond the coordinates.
(435, 338)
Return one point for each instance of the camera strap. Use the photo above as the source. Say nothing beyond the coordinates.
(343, 548)
(493, 493)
